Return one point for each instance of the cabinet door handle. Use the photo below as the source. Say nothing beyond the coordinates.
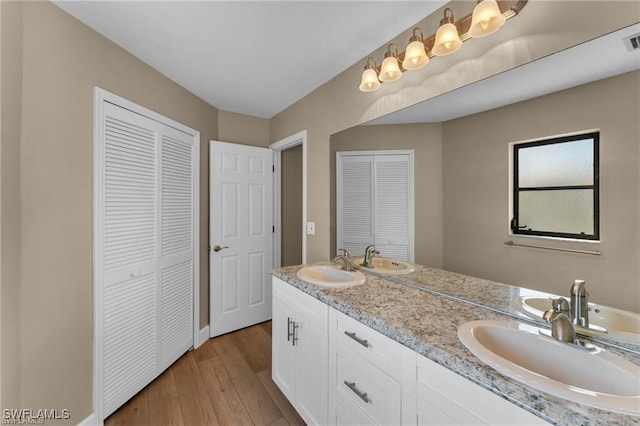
(363, 342)
(289, 333)
(353, 387)
(295, 332)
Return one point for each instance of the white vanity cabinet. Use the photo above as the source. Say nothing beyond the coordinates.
(299, 351)
(335, 370)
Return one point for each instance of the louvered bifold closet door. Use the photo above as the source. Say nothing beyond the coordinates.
(354, 205)
(393, 206)
(176, 242)
(129, 260)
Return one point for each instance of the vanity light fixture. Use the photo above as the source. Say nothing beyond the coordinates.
(390, 68)
(447, 37)
(487, 17)
(415, 57)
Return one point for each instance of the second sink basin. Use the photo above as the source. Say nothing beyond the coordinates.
(330, 276)
(594, 376)
(382, 265)
(620, 325)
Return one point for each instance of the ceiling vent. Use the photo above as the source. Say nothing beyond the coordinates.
(632, 43)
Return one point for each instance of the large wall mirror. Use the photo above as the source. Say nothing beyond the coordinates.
(461, 142)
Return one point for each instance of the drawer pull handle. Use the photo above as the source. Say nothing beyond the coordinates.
(295, 333)
(363, 342)
(289, 332)
(352, 386)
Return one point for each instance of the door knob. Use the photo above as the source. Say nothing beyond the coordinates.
(218, 248)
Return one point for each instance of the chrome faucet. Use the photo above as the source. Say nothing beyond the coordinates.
(561, 327)
(579, 314)
(369, 252)
(345, 257)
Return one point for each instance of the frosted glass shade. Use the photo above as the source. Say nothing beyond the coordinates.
(369, 81)
(415, 57)
(486, 19)
(447, 40)
(390, 69)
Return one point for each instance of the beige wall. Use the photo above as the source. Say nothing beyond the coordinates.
(542, 28)
(62, 60)
(242, 129)
(426, 141)
(476, 192)
(291, 206)
(11, 92)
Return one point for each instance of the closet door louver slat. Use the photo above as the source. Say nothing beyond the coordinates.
(392, 206)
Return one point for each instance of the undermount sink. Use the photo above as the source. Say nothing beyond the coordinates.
(330, 276)
(587, 375)
(382, 265)
(618, 325)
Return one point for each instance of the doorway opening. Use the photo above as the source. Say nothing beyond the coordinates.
(290, 200)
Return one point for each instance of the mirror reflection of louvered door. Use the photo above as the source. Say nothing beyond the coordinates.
(145, 250)
(375, 201)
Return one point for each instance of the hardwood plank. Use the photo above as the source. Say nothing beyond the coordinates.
(166, 410)
(263, 340)
(252, 350)
(222, 393)
(205, 351)
(164, 385)
(280, 422)
(133, 412)
(255, 398)
(290, 414)
(194, 400)
(266, 326)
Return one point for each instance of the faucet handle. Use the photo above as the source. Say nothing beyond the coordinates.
(345, 252)
(561, 305)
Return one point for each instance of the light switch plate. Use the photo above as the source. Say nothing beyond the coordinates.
(311, 228)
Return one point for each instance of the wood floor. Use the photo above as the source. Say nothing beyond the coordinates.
(226, 381)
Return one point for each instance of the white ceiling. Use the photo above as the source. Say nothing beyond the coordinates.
(251, 57)
(601, 58)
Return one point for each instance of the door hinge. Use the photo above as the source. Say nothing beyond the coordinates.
(273, 168)
(274, 229)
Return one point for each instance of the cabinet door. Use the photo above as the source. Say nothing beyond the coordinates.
(283, 351)
(312, 361)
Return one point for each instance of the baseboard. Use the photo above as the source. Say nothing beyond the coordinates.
(92, 420)
(203, 336)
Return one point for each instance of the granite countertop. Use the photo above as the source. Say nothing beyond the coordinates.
(423, 311)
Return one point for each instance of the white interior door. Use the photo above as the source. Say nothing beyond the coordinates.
(241, 236)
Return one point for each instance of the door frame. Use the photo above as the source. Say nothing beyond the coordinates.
(299, 138)
(100, 96)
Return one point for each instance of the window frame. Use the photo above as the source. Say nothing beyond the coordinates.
(595, 187)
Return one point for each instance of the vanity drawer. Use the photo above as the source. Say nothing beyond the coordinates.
(367, 387)
(374, 347)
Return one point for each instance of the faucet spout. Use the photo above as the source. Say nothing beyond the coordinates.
(579, 304)
(369, 252)
(347, 263)
(561, 327)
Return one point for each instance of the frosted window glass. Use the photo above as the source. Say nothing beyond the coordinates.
(559, 164)
(562, 211)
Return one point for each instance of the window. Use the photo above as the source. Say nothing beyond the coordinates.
(555, 187)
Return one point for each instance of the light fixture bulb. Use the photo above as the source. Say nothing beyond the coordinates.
(486, 19)
(447, 40)
(415, 57)
(369, 81)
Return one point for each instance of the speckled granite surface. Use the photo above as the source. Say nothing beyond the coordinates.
(427, 322)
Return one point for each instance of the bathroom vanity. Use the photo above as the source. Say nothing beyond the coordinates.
(387, 352)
